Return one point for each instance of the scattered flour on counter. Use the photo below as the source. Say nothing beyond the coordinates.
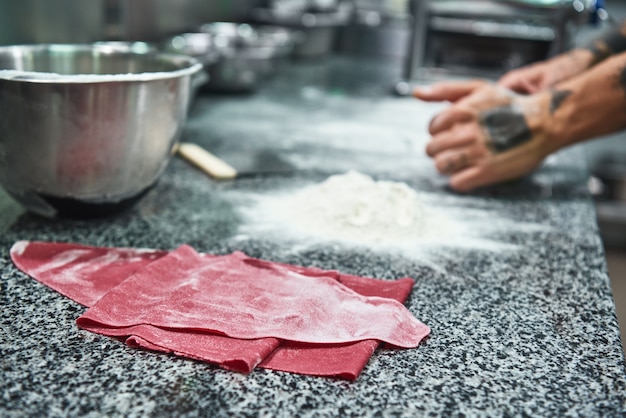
(355, 208)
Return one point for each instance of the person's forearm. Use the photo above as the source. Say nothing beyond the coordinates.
(588, 106)
(608, 44)
(603, 46)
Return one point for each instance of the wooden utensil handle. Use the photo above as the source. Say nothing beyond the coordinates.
(205, 161)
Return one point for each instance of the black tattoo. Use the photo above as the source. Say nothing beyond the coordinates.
(507, 127)
(558, 97)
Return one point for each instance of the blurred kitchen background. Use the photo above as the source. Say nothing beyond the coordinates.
(427, 39)
(607, 161)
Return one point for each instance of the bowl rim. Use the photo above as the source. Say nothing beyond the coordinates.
(189, 65)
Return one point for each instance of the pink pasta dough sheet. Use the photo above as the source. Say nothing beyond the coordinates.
(82, 273)
(340, 360)
(242, 297)
(233, 311)
(229, 353)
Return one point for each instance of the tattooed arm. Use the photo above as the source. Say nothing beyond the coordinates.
(590, 105)
(608, 44)
(545, 74)
(491, 134)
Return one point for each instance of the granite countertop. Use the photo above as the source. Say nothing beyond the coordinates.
(519, 302)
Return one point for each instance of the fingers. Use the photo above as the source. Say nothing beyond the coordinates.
(463, 154)
(521, 86)
(470, 179)
(447, 91)
(470, 167)
(512, 80)
(467, 108)
(448, 118)
(450, 162)
(458, 146)
(457, 137)
(528, 86)
(453, 160)
(479, 176)
(497, 168)
(523, 81)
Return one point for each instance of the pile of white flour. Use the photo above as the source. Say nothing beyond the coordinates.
(354, 207)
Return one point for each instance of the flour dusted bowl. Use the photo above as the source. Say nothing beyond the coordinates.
(87, 129)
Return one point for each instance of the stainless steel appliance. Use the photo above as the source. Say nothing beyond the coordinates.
(81, 21)
(319, 22)
(379, 28)
(490, 37)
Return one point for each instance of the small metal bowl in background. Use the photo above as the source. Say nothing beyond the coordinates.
(319, 28)
(248, 54)
(86, 130)
(237, 57)
(200, 46)
(284, 40)
(123, 46)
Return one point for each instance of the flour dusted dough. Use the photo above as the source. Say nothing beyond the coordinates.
(83, 273)
(86, 274)
(242, 297)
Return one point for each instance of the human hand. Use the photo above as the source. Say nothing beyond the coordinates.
(488, 135)
(545, 74)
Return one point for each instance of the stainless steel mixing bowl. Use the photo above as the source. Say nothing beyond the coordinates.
(87, 129)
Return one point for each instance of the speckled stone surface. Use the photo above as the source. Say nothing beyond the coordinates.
(522, 316)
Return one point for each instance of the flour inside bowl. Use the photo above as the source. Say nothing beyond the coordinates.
(354, 207)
